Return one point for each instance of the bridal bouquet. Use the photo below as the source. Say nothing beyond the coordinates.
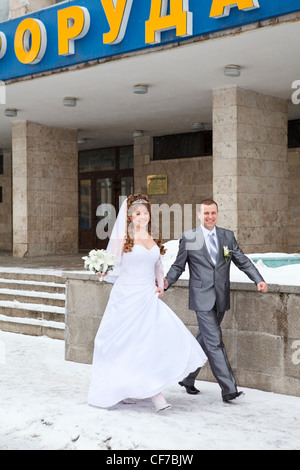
(99, 262)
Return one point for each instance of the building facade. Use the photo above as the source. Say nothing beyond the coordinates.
(181, 100)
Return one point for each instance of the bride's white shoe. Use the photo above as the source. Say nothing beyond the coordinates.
(159, 408)
(160, 403)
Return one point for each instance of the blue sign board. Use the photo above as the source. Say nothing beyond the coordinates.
(80, 31)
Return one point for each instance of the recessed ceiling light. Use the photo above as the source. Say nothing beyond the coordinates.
(10, 112)
(138, 134)
(232, 71)
(198, 126)
(140, 89)
(70, 101)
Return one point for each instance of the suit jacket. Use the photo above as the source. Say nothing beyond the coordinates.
(209, 283)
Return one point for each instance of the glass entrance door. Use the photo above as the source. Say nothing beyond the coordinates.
(101, 188)
(105, 198)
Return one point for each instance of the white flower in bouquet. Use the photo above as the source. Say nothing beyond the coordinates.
(99, 262)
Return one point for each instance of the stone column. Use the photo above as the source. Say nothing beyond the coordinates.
(250, 169)
(6, 204)
(45, 190)
(294, 200)
(143, 151)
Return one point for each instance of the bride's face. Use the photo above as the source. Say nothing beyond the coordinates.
(140, 217)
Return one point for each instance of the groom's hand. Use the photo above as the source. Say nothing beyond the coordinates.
(262, 287)
(165, 283)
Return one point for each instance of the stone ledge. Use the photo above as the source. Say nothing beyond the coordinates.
(238, 286)
(261, 331)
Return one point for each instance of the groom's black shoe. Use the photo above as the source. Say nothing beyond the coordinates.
(190, 389)
(232, 396)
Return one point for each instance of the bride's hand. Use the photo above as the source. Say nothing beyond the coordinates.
(160, 292)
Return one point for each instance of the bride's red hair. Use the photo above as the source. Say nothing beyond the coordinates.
(129, 241)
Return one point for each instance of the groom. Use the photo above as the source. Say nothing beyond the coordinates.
(205, 251)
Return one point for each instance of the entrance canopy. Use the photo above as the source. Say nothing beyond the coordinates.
(180, 74)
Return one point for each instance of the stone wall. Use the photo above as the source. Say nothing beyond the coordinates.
(294, 200)
(250, 167)
(6, 204)
(189, 180)
(86, 300)
(45, 190)
(261, 331)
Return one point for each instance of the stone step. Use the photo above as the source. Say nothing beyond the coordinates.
(38, 286)
(33, 297)
(32, 327)
(33, 311)
(51, 276)
(32, 302)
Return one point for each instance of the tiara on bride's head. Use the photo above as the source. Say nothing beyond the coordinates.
(140, 201)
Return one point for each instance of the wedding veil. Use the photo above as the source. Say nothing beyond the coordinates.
(116, 242)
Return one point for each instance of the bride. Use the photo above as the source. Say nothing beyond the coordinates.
(141, 346)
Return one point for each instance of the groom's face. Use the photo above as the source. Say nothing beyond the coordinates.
(208, 216)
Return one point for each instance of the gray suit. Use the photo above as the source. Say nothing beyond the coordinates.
(209, 295)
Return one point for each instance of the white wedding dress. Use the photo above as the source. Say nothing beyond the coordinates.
(141, 346)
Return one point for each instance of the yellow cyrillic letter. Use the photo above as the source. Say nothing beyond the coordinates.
(117, 14)
(3, 45)
(30, 41)
(179, 17)
(222, 8)
(73, 23)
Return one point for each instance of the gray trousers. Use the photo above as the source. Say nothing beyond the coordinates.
(210, 339)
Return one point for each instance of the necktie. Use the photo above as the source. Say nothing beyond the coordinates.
(213, 251)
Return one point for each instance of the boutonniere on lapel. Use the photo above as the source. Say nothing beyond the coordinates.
(226, 253)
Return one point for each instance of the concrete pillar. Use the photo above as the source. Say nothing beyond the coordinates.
(6, 204)
(143, 151)
(294, 200)
(45, 190)
(250, 168)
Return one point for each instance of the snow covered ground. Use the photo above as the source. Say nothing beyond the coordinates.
(43, 407)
